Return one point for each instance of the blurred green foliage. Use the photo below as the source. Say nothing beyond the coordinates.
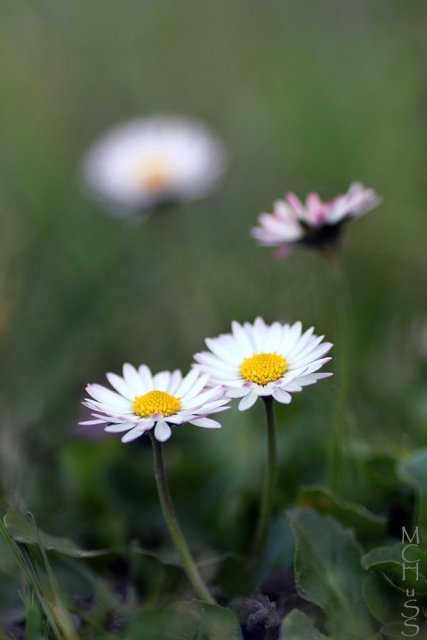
(307, 96)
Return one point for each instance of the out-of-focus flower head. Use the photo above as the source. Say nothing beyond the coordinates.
(143, 163)
(142, 401)
(312, 223)
(257, 360)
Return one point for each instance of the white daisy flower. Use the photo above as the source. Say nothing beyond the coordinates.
(264, 360)
(145, 162)
(142, 401)
(313, 223)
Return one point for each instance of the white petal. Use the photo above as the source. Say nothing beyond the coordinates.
(207, 423)
(213, 407)
(305, 381)
(314, 355)
(259, 334)
(212, 361)
(119, 385)
(161, 380)
(220, 350)
(290, 336)
(187, 383)
(116, 419)
(162, 431)
(242, 339)
(282, 396)
(274, 337)
(178, 419)
(108, 410)
(292, 387)
(105, 396)
(123, 426)
(314, 366)
(248, 401)
(264, 390)
(222, 377)
(304, 342)
(146, 377)
(236, 392)
(210, 394)
(133, 434)
(175, 381)
(197, 386)
(212, 410)
(133, 380)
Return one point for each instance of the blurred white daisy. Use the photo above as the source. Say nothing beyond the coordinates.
(145, 162)
(141, 402)
(264, 360)
(313, 223)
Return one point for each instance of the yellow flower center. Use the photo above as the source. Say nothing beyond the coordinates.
(263, 368)
(156, 180)
(156, 402)
(153, 174)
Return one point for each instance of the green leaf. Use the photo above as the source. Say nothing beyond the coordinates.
(395, 630)
(388, 559)
(213, 622)
(414, 471)
(384, 600)
(381, 472)
(298, 626)
(188, 621)
(349, 514)
(329, 573)
(23, 529)
(387, 604)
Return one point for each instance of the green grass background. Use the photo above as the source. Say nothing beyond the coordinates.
(308, 96)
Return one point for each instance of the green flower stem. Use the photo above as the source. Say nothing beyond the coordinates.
(339, 438)
(175, 531)
(267, 499)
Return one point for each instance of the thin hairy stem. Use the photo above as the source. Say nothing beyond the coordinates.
(175, 531)
(339, 440)
(267, 499)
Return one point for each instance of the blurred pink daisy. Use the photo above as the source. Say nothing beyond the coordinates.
(314, 223)
(143, 402)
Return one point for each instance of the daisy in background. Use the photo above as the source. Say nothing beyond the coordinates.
(319, 225)
(149, 161)
(313, 223)
(142, 402)
(270, 362)
(259, 360)
(145, 403)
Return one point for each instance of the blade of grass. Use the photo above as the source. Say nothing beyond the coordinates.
(30, 573)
